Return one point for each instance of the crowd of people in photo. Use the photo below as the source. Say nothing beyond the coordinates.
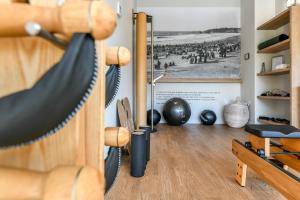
(193, 53)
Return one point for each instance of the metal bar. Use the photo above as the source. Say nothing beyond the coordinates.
(35, 29)
(152, 75)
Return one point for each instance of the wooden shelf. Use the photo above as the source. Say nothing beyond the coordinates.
(274, 98)
(270, 122)
(275, 72)
(281, 46)
(277, 21)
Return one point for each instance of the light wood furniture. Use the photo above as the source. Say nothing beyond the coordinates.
(274, 98)
(291, 17)
(96, 17)
(117, 56)
(191, 162)
(281, 46)
(198, 80)
(116, 137)
(141, 70)
(63, 183)
(275, 72)
(24, 60)
(279, 179)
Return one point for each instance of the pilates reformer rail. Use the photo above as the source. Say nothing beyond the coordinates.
(95, 17)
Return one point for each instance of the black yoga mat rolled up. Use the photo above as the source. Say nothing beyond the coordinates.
(273, 41)
(147, 138)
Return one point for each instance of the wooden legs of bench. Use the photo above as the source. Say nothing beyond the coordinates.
(241, 173)
(257, 144)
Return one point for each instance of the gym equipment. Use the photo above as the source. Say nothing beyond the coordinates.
(273, 41)
(269, 159)
(62, 183)
(153, 117)
(28, 108)
(176, 111)
(208, 117)
(95, 17)
(139, 154)
(141, 70)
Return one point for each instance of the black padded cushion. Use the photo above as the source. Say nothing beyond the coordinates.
(273, 131)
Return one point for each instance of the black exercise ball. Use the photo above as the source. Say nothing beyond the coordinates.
(176, 112)
(156, 117)
(208, 117)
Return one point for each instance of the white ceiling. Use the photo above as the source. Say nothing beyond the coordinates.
(188, 3)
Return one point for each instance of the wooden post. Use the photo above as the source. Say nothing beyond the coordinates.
(241, 173)
(95, 17)
(117, 56)
(141, 70)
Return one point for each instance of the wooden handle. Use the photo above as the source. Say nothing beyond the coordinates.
(95, 17)
(116, 137)
(64, 183)
(117, 55)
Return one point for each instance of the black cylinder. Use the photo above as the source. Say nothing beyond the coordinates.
(138, 155)
(148, 141)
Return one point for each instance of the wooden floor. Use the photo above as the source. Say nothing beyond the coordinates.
(190, 162)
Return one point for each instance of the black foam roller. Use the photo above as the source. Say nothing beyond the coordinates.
(138, 155)
(273, 41)
(148, 141)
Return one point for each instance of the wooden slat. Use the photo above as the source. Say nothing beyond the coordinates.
(273, 98)
(289, 160)
(281, 46)
(269, 122)
(275, 72)
(287, 185)
(295, 66)
(291, 144)
(276, 22)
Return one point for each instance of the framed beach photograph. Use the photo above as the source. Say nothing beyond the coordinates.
(197, 45)
(277, 62)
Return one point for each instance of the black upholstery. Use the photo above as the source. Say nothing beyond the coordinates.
(273, 131)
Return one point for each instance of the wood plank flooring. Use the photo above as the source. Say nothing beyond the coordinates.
(191, 162)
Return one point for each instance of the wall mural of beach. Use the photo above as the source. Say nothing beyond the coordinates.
(208, 52)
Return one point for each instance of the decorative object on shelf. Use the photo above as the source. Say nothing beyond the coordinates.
(263, 68)
(273, 41)
(278, 63)
(208, 117)
(276, 93)
(274, 120)
(236, 114)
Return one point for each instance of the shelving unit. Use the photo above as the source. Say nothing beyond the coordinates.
(282, 46)
(277, 21)
(275, 72)
(292, 17)
(274, 98)
(269, 122)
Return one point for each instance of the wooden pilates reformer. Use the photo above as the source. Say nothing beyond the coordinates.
(37, 171)
(277, 162)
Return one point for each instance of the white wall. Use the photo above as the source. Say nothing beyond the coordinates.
(122, 37)
(221, 93)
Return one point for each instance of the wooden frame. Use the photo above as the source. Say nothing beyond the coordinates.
(199, 80)
(282, 180)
